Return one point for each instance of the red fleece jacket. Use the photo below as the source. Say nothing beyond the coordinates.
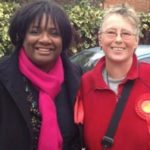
(98, 103)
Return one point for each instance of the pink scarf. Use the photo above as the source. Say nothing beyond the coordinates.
(49, 84)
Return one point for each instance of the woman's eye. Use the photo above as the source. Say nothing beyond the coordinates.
(55, 33)
(111, 32)
(126, 33)
(34, 31)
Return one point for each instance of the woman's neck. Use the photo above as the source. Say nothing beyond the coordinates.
(118, 70)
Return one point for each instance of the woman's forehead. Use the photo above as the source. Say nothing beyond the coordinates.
(118, 21)
(43, 20)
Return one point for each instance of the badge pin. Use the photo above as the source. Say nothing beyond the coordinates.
(143, 108)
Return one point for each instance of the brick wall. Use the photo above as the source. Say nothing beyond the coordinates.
(139, 5)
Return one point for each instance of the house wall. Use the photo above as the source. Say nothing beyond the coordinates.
(139, 5)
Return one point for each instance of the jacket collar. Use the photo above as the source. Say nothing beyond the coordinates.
(97, 77)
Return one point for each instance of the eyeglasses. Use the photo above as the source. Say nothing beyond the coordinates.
(124, 35)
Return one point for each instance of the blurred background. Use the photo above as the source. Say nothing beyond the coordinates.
(85, 16)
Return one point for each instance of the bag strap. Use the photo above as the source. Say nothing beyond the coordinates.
(108, 140)
(83, 147)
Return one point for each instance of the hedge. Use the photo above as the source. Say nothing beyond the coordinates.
(6, 11)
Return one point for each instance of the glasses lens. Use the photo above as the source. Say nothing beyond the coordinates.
(113, 34)
(110, 34)
(126, 35)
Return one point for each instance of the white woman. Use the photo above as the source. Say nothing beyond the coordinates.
(113, 102)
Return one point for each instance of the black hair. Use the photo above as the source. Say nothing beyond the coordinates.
(23, 18)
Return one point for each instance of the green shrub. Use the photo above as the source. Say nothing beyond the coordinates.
(86, 20)
(6, 10)
(145, 28)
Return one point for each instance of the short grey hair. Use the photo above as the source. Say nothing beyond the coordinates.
(125, 11)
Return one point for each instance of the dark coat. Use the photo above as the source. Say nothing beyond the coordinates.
(15, 126)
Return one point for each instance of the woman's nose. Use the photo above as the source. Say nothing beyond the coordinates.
(118, 37)
(45, 37)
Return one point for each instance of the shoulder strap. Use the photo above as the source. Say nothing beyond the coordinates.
(83, 147)
(108, 140)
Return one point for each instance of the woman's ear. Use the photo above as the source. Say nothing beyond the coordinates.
(99, 39)
(137, 42)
